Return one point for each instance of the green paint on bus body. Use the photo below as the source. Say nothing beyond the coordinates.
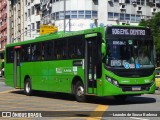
(58, 75)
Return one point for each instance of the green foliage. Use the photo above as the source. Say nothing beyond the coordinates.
(154, 24)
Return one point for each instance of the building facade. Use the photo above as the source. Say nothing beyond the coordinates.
(79, 14)
(3, 24)
(32, 18)
(82, 14)
(127, 11)
(23, 20)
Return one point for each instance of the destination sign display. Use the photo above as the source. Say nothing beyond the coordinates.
(128, 31)
(116, 31)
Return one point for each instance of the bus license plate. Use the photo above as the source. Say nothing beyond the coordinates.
(136, 88)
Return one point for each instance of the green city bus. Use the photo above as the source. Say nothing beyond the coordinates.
(102, 61)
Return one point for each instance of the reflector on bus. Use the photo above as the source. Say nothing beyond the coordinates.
(17, 47)
(91, 35)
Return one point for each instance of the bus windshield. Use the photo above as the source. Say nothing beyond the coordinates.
(130, 53)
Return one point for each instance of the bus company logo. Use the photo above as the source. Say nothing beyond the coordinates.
(6, 114)
(58, 70)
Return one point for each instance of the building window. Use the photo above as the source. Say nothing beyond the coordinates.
(132, 18)
(67, 15)
(26, 2)
(25, 16)
(116, 15)
(122, 17)
(57, 15)
(138, 18)
(127, 1)
(37, 10)
(73, 14)
(110, 15)
(81, 14)
(53, 16)
(33, 26)
(29, 12)
(141, 2)
(94, 14)
(61, 15)
(127, 17)
(32, 9)
(38, 26)
(87, 14)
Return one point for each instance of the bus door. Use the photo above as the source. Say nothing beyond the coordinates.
(91, 64)
(17, 66)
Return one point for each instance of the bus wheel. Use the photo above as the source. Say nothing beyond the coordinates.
(121, 98)
(79, 92)
(27, 87)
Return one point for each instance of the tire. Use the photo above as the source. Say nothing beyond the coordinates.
(79, 92)
(120, 98)
(28, 87)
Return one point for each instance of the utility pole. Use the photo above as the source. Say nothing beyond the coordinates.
(64, 15)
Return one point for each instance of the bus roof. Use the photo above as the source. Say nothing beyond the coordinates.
(57, 35)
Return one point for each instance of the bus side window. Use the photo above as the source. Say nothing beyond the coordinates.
(36, 52)
(76, 46)
(60, 49)
(48, 50)
(26, 53)
(10, 55)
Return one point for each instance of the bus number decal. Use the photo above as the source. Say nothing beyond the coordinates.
(58, 70)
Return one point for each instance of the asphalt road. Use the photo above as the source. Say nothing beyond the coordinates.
(3, 87)
(100, 108)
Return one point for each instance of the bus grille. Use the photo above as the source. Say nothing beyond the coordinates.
(125, 88)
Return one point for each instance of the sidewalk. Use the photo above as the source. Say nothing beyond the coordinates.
(1, 79)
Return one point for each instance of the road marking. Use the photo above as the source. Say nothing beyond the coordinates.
(7, 91)
(138, 118)
(100, 110)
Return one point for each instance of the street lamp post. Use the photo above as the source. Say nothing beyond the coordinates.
(64, 15)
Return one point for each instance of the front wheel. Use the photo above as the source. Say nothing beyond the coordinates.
(28, 87)
(79, 92)
(121, 98)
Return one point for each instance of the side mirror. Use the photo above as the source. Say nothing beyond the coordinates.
(103, 49)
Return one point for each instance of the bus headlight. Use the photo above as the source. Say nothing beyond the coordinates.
(109, 79)
(114, 82)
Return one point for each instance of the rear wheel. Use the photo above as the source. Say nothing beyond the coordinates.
(28, 87)
(79, 92)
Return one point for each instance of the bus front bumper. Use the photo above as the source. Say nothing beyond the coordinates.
(112, 90)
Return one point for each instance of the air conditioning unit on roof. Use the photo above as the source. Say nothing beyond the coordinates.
(139, 8)
(142, 17)
(123, 7)
(154, 10)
